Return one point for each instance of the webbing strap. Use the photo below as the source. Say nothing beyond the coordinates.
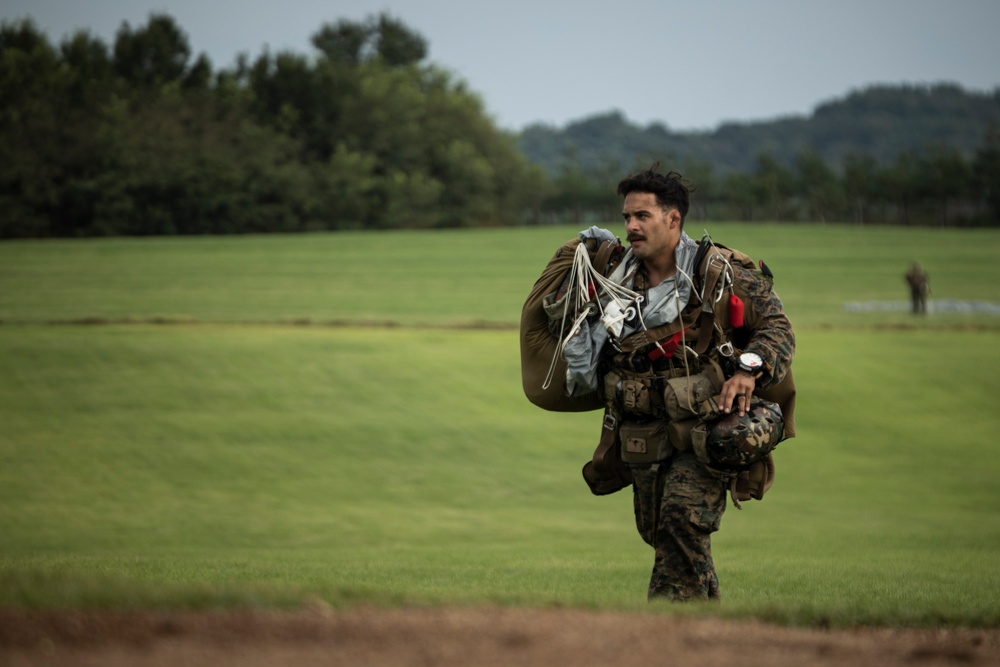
(646, 337)
(704, 314)
(603, 458)
(606, 473)
(705, 325)
(603, 256)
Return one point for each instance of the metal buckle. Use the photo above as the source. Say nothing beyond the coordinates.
(609, 421)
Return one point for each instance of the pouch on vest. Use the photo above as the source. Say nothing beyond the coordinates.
(753, 483)
(684, 396)
(629, 392)
(606, 473)
(644, 442)
(679, 433)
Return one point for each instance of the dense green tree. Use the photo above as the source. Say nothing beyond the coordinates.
(343, 42)
(300, 99)
(33, 99)
(142, 139)
(705, 187)
(818, 186)
(880, 121)
(397, 45)
(900, 186)
(89, 63)
(986, 173)
(861, 184)
(382, 38)
(777, 184)
(744, 195)
(152, 55)
(945, 182)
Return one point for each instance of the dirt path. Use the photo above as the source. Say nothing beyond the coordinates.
(467, 637)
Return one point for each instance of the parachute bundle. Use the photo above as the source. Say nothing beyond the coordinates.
(561, 295)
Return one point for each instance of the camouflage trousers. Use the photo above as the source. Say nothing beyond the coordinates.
(678, 505)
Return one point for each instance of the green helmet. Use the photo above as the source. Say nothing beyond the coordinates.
(735, 443)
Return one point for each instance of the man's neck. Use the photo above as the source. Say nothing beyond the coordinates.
(661, 269)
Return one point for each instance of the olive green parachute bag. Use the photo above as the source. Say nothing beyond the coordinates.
(543, 369)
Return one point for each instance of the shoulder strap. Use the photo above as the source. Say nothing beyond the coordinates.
(608, 254)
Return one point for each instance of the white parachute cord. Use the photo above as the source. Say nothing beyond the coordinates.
(610, 288)
(574, 282)
(587, 275)
(623, 295)
(582, 275)
(581, 271)
(686, 277)
(728, 278)
(558, 351)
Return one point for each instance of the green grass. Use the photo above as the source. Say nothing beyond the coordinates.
(460, 277)
(239, 459)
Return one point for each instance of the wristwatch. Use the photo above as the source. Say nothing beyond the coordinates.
(751, 363)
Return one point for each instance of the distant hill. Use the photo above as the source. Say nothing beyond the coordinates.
(881, 121)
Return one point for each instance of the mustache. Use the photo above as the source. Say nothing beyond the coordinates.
(635, 237)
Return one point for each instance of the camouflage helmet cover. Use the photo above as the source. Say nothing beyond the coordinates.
(735, 442)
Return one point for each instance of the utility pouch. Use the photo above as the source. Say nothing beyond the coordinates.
(612, 386)
(644, 442)
(754, 482)
(635, 397)
(684, 396)
(606, 473)
(699, 435)
(679, 434)
(629, 392)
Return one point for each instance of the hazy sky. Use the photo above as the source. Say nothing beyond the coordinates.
(687, 64)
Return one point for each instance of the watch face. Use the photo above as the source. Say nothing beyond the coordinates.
(751, 360)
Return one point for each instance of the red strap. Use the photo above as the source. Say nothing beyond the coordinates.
(667, 347)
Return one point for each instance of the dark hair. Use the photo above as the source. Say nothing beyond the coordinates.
(671, 189)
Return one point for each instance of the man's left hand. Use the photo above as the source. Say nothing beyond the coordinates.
(737, 391)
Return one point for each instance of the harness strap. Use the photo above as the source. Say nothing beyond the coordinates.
(603, 456)
(704, 313)
(646, 337)
(602, 258)
(714, 272)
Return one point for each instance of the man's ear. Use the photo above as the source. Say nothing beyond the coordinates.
(674, 218)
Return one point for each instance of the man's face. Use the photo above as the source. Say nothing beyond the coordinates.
(651, 231)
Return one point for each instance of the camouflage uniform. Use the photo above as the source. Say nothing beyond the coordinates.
(678, 502)
(678, 505)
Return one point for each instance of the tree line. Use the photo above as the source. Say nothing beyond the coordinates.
(144, 137)
(888, 154)
(938, 187)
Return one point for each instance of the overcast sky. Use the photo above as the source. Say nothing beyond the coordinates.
(687, 64)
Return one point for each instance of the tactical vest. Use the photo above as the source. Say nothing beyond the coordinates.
(648, 362)
(669, 373)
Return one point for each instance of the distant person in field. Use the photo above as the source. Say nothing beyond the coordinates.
(688, 348)
(919, 283)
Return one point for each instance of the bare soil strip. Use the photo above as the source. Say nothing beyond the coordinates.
(458, 636)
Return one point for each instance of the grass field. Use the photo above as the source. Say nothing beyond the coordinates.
(214, 442)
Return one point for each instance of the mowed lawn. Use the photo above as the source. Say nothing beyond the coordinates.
(267, 420)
